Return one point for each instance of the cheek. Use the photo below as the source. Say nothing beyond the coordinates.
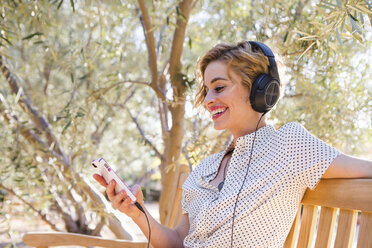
(244, 99)
(243, 104)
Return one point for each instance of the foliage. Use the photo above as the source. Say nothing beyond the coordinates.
(85, 67)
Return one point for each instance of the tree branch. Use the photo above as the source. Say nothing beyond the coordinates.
(30, 136)
(160, 38)
(293, 53)
(60, 204)
(123, 105)
(147, 175)
(99, 227)
(42, 216)
(150, 42)
(177, 108)
(102, 91)
(147, 141)
(186, 154)
(114, 224)
(34, 139)
(295, 95)
(177, 43)
(102, 127)
(26, 104)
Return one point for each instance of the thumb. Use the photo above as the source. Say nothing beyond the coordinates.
(137, 192)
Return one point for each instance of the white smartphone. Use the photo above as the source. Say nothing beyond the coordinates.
(104, 169)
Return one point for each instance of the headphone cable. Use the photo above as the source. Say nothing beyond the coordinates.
(148, 223)
(245, 177)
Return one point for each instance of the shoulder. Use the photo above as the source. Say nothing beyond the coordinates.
(206, 167)
(292, 131)
(206, 163)
(210, 159)
(291, 127)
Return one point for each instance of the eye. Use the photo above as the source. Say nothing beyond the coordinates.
(219, 88)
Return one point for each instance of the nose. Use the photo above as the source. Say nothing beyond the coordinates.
(209, 98)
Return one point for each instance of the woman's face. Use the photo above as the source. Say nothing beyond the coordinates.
(226, 100)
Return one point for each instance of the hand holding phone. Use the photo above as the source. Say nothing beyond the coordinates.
(104, 169)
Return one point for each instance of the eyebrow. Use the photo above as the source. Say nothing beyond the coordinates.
(216, 79)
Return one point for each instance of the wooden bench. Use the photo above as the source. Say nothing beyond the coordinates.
(340, 201)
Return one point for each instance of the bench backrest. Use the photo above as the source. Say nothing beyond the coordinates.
(331, 214)
(345, 208)
(345, 203)
(174, 205)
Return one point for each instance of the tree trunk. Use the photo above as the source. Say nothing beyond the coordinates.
(177, 110)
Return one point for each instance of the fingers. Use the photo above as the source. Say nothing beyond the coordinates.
(136, 189)
(116, 199)
(119, 199)
(126, 205)
(110, 190)
(122, 202)
(100, 179)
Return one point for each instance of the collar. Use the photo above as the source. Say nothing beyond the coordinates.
(242, 143)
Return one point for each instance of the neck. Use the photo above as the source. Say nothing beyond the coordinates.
(249, 128)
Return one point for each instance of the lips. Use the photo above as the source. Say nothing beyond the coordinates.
(217, 112)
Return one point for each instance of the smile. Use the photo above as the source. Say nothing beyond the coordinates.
(217, 113)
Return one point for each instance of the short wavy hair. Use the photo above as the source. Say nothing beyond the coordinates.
(245, 60)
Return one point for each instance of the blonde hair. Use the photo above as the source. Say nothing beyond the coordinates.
(246, 61)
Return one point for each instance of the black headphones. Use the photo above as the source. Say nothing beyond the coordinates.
(266, 88)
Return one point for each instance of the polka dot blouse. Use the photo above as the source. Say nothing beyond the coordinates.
(284, 163)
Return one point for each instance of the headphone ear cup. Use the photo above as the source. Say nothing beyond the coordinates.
(265, 93)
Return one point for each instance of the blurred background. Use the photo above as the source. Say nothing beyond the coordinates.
(116, 79)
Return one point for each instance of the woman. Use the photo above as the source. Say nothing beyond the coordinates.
(247, 195)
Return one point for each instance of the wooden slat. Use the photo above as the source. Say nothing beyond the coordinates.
(290, 242)
(346, 228)
(171, 203)
(65, 239)
(307, 228)
(341, 193)
(176, 209)
(175, 205)
(365, 230)
(326, 227)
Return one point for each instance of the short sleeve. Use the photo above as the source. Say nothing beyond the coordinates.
(184, 202)
(308, 156)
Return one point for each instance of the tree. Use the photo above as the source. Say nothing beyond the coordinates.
(87, 78)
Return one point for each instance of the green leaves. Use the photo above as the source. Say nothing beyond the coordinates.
(338, 36)
(66, 126)
(60, 4)
(72, 5)
(355, 26)
(32, 35)
(2, 37)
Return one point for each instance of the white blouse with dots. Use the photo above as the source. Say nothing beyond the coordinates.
(284, 163)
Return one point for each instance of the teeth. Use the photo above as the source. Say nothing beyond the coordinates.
(217, 111)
